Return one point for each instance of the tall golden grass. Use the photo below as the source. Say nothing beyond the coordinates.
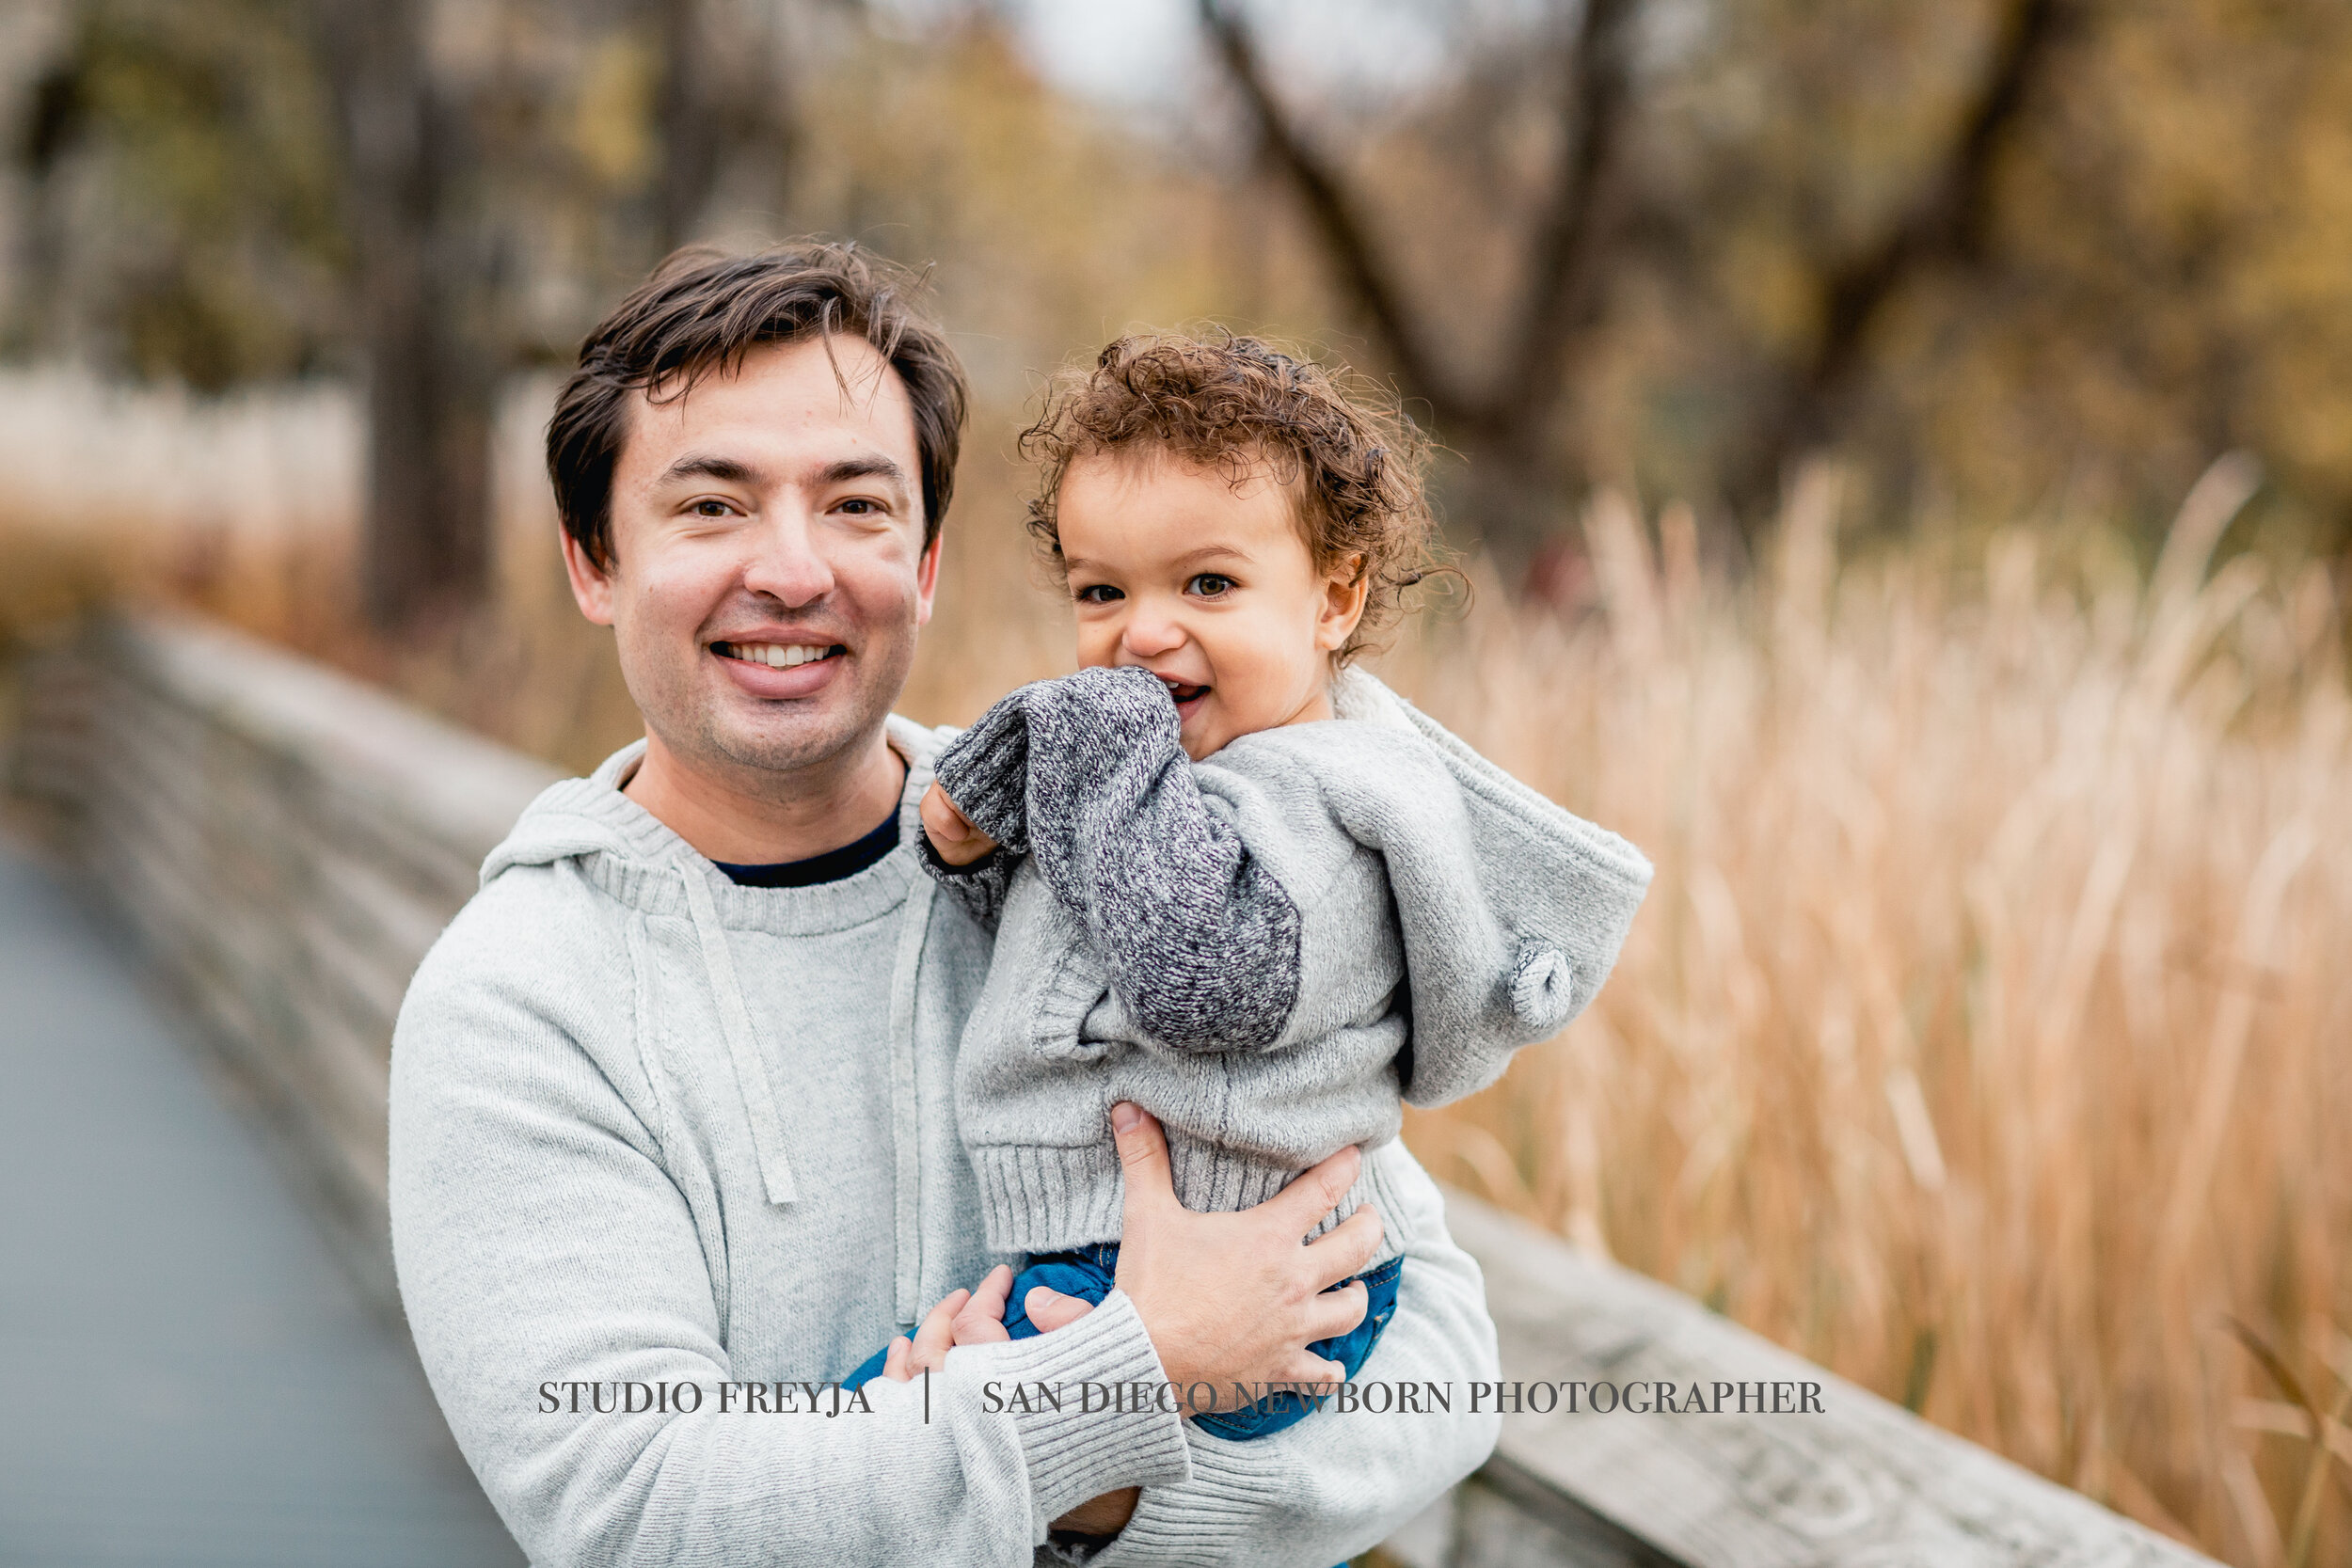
(1987, 1035)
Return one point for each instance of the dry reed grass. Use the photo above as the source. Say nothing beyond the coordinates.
(1987, 1035)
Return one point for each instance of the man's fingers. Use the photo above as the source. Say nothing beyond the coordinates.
(1314, 1193)
(1050, 1309)
(1341, 1252)
(894, 1366)
(1334, 1312)
(1310, 1368)
(1143, 1158)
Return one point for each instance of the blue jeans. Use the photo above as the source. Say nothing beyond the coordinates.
(1088, 1274)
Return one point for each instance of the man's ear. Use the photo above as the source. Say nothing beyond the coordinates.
(592, 584)
(1343, 595)
(927, 578)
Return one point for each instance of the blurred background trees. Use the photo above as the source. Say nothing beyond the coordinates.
(2005, 257)
(1958, 823)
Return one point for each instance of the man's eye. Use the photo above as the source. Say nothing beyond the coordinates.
(858, 506)
(1209, 585)
(1097, 593)
(713, 509)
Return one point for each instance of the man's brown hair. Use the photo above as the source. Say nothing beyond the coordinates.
(1355, 466)
(700, 312)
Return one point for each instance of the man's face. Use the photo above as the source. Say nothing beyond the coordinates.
(767, 570)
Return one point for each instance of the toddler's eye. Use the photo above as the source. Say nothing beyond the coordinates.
(1210, 585)
(1097, 593)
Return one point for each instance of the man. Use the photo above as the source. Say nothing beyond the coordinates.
(673, 1132)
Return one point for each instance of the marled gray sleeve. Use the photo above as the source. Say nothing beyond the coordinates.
(1087, 775)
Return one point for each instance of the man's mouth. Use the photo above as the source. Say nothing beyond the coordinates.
(777, 656)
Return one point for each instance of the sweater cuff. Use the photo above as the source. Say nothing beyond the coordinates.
(1213, 1518)
(985, 771)
(1074, 1453)
(981, 887)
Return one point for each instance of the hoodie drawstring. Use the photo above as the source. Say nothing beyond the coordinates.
(904, 971)
(735, 1021)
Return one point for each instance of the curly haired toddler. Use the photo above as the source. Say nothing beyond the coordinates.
(1234, 879)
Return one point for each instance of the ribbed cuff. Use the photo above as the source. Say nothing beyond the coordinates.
(985, 771)
(1046, 1199)
(1232, 1502)
(979, 887)
(1076, 1453)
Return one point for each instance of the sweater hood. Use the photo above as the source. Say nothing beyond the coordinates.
(626, 853)
(1493, 870)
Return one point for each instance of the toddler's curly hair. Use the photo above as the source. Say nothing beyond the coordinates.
(1355, 466)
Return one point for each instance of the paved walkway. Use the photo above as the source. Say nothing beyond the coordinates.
(186, 1377)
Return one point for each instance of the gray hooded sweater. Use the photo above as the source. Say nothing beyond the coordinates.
(1265, 949)
(652, 1127)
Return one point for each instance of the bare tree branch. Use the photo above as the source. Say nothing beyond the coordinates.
(1574, 243)
(1944, 223)
(1363, 273)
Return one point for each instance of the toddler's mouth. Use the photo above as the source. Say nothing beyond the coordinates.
(1182, 693)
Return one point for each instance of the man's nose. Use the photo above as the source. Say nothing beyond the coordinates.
(786, 563)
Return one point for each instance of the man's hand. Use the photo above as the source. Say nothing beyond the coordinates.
(1233, 1298)
(950, 831)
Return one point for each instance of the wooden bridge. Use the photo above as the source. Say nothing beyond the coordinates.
(281, 844)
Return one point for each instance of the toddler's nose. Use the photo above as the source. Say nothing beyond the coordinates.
(1148, 636)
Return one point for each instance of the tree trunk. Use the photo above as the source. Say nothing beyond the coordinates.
(419, 289)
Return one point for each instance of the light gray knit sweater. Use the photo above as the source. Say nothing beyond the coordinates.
(1265, 949)
(649, 1126)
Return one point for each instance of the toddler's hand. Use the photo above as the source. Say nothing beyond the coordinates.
(950, 831)
(975, 1318)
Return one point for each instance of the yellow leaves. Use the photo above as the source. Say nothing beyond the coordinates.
(611, 128)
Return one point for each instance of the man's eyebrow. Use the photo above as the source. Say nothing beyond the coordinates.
(876, 465)
(727, 470)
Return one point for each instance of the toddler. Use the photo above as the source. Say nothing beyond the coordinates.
(1234, 881)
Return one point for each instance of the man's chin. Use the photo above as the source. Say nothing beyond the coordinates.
(780, 736)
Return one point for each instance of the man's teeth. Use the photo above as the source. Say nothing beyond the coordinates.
(779, 655)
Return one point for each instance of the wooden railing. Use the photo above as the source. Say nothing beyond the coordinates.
(286, 843)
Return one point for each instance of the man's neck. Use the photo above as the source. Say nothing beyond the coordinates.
(761, 817)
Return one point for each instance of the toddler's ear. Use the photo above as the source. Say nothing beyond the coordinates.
(1343, 593)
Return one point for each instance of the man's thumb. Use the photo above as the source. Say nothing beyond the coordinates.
(1143, 1157)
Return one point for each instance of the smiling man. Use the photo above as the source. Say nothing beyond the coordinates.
(673, 1098)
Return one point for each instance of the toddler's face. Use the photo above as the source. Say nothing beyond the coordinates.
(1209, 586)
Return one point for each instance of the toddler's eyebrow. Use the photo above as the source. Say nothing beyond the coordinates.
(1190, 558)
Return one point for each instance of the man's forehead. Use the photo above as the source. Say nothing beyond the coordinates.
(821, 389)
